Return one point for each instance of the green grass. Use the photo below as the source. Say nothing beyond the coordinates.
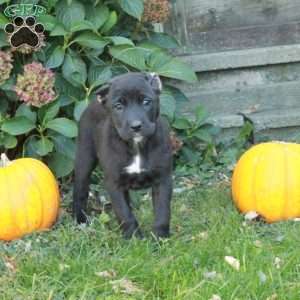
(63, 263)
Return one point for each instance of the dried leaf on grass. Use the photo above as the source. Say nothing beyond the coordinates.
(233, 262)
(277, 262)
(126, 286)
(107, 274)
(251, 215)
(10, 264)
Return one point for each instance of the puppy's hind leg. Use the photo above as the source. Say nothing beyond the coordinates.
(85, 163)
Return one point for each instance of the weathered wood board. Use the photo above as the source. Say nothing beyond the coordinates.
(212, 26)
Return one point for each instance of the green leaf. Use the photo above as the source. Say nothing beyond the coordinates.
(30, 148)
(167, 105)
(49, 4)
(48, 111)
(110, 22)
(99, 75)
(119, 40)
(64, 126)
(48, 21)
(44, 146)
(200, 114)
(9, 141)
(203, 135)
(58, 30)
(178, 94)
(163, 40)
(65, 88)
(17, 125)
(191, 156)
(65, 100)
(3, 106)
(25, 111)
(60, 164)
(80, 106)
(70, 14)
(63, 145)
(97, 15)
(3, 21)
(158, 58)
(91, 40)
(135, 8)
(56, 58)
(171, 67)
(132, 56)
(181, 123)
(8, 85)
(74, 70)
(3, 39)
(82, 25)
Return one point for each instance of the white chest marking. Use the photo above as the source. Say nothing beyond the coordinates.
(135, 167)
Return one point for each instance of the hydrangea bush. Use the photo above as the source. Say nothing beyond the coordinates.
(86, 43)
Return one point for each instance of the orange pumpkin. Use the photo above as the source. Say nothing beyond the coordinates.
(266, 180)
(29, 197)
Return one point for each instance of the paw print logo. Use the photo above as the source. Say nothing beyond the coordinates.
(25, 33)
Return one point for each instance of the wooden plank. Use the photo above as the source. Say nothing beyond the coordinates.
(205, 15)
(228, 121)
(206, 26)
(244, 38)
(276, 118)
(236, 79)
(243, 58)
(260, 98)
(286, 134)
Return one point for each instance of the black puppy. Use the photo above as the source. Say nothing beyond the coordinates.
(123, 131)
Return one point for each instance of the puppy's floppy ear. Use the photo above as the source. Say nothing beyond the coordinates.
(102, 93)
(154, 81)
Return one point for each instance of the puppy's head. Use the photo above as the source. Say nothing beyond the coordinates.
(132, 100)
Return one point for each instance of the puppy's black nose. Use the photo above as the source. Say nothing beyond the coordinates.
(136, 125)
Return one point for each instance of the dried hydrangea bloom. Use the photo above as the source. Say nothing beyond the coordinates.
(156, 11)
(5, 65)
(175, 142)
(36, 85)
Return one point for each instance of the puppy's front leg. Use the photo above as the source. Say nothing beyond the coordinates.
(121, 207)
(161, 198)
(85, 162)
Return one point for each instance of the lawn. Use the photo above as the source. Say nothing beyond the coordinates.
(94, 262)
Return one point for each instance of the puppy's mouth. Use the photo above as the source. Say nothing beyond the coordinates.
(136, 137)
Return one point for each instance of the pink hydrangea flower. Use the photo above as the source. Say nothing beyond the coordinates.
(5, 65)
(36, 85)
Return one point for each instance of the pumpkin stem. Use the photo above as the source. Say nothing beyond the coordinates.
(4, 161)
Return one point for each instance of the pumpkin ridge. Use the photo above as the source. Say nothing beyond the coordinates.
(12, 218)
(33, 179)
(47, 174)
(23, 194)
(256, 164)
(286, 177)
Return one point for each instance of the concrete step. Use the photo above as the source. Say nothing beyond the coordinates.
(277, 124)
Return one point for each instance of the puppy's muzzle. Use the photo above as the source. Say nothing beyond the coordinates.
(136, 126)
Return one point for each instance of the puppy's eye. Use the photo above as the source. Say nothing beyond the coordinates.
(147, 102)
(118, 106)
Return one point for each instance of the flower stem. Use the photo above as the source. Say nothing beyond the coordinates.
(4, 161)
